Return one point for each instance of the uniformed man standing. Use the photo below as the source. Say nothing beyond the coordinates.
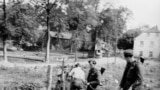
(132, 76)
(93, 79)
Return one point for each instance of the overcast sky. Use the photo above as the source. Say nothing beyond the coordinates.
(144, 12)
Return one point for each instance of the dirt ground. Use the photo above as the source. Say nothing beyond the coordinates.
(37, 76)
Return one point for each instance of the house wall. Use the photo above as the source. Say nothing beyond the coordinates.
(147, 45)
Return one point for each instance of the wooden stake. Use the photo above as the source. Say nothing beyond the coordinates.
(63, 74)
(49, 79)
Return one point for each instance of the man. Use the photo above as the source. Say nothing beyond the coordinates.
(59, 83)
(93, 78)
(132, 76)
(78, 78)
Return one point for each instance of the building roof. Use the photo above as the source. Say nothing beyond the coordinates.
(64, 35)
(153, 30)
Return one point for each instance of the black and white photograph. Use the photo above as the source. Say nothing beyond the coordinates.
(79, 45)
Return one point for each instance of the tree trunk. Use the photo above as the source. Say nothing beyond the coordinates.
(76, 55)
(71, 49)
(48, 34)
(42, 45)
(49, 84)
(48, 46)
(49, 79)
(116, 50)
(63, 75)
(5, 51)
(5, 36)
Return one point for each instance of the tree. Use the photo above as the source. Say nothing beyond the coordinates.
(51, 15)
(76, 22)
(81, 15)
(114, 22)
(107, 25)
(127, 40)
(4, 31)
(22, 21)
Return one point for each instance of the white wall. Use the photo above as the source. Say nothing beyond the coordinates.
(147, 47)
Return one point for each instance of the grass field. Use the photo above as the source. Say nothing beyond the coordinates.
(37, 76)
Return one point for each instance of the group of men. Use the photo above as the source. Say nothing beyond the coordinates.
(132, 76)
(78, 77)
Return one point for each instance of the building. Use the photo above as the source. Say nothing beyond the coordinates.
(147, 44)
(63, 39)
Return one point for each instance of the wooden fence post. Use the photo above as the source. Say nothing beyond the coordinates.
(49, 78)
(63, 74)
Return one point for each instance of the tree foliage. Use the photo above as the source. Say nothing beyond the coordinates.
(21, 21)
(106, 25)
(127, 40)
(72, 16)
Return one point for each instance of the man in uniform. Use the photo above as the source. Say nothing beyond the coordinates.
(93, 79)
(132, 76)
(78, 78)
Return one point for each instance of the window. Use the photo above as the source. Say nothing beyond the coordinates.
(141, 53)
(151, 44)
(150, 54)
(141, 43)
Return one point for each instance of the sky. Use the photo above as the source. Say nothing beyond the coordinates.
(145, 12)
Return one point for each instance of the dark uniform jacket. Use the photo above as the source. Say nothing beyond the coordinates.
(132, 76)
(93, 78)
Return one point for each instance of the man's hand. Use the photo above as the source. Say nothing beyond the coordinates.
(87, 84)
(100, 84)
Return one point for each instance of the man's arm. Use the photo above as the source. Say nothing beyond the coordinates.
(123, 80)
(71, 72)
(83, 76)
(139, 74)
(97, 76)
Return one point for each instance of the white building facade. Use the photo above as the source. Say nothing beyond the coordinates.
(147, 44)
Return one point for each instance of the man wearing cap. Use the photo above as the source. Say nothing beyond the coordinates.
(78, 78)
(93, 78)
(132, 76)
